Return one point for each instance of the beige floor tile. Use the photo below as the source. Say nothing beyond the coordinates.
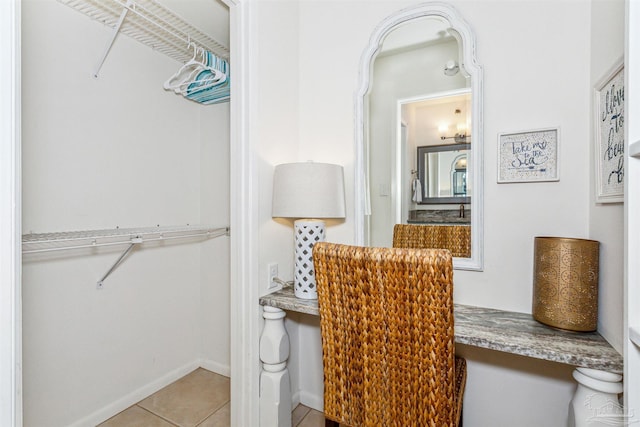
(135, 416)
(298, 414)
(191, 399)
(313, 419)
(220, 418)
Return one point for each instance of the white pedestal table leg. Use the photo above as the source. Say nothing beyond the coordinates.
(275, 387)
(595, 402)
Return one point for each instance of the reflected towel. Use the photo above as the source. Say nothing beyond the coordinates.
(417, 191)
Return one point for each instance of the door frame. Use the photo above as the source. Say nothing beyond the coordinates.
(245, 310)
(631, 206)
(10, 217)
(245, 365)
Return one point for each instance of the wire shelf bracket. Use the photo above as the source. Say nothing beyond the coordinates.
(150, 23)
(117, 263)
(116, 30)
(49, 242)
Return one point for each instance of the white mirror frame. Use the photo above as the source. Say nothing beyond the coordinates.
(474, 70)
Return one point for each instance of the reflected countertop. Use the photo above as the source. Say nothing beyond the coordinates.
(438, 216)
(439, 221)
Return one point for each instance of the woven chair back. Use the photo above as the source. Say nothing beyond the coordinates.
(386, 318)
(456, 238)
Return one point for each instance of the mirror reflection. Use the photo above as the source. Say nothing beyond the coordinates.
(421, 138)
(442, 173)
(417, 73)
(459, 172)
(437, 127)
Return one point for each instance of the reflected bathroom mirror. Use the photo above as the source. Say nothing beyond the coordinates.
(442, 172)
(435, 142)
(419, 128)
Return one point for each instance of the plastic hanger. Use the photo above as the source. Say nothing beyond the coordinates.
(213, 74)
(207, 90)
(190, 70)
(204, 78)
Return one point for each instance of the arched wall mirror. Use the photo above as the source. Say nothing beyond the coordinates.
(419, 138)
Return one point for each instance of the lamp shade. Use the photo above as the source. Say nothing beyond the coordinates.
(308, 190)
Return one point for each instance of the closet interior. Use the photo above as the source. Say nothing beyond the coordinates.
(125, 201)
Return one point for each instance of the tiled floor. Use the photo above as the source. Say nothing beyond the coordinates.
(199, 399)
(303, 416)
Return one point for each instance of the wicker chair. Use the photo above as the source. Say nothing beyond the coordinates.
(456, 238)
(386, 318)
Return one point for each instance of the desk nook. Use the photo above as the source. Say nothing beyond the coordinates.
(598, 365)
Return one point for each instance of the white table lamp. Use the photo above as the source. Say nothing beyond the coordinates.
(308, 192)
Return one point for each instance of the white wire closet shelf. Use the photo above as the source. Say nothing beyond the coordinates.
(151, 24)
(48, 242)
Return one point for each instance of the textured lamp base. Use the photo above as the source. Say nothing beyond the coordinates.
(307, 233)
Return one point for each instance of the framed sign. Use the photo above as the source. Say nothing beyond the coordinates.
(528, 156)
(609, 135)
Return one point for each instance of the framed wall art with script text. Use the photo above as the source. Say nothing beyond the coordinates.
(609, 135)
(529, 156)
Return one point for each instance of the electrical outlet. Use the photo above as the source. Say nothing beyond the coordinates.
(273, 273)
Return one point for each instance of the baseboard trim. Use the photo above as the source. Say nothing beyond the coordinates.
(218, 368)
(311, 400)
(295, 400)
(132, 398)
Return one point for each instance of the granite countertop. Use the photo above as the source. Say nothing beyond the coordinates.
(510, 332)
(440, 221)
(286, 300)
(438, 216)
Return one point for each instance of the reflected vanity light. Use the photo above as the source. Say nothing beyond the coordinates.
(460, 135)
(458, 138)
(443, 130)
(461, 131)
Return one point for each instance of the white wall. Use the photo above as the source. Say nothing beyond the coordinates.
(215, 271)
(535, 57)
(108, 152)
(275, 122)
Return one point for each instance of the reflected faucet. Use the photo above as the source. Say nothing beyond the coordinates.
(461, 210)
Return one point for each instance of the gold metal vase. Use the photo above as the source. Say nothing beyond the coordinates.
(565, 283)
